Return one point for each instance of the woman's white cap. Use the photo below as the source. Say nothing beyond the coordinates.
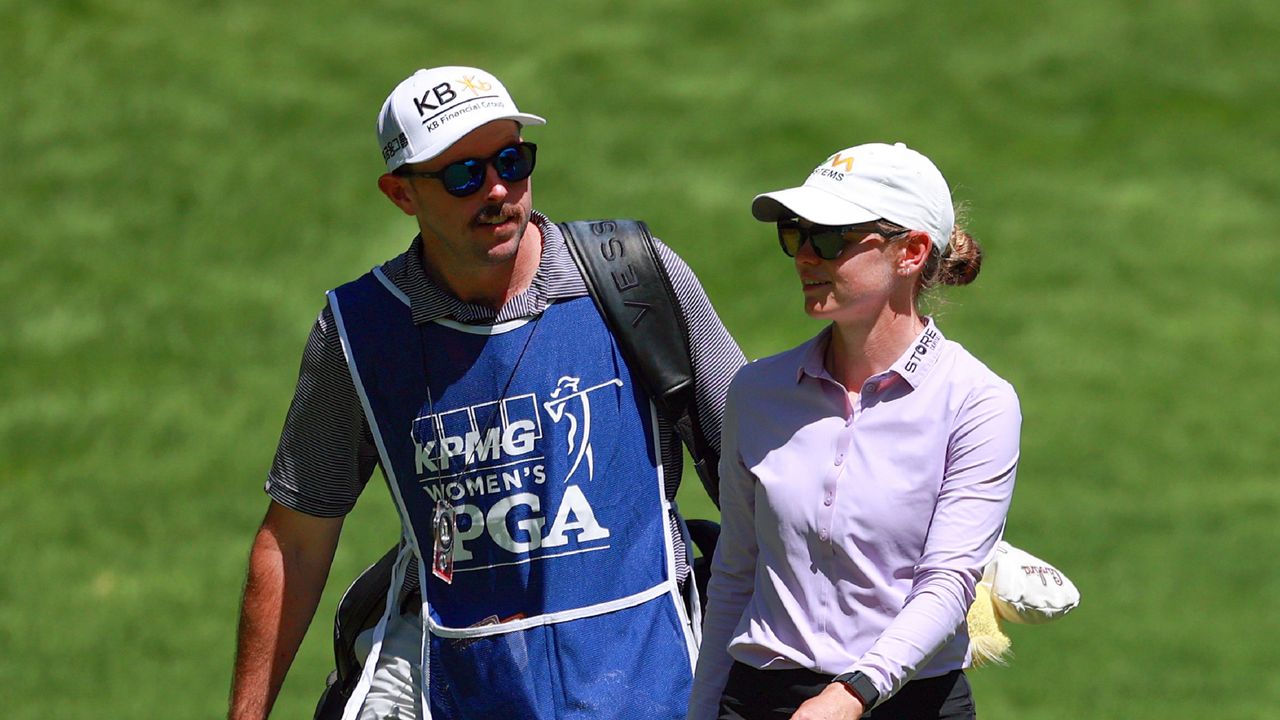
(432, 109)
(866, 183)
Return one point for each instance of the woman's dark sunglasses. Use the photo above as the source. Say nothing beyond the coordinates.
(829, 241)
(460, 179)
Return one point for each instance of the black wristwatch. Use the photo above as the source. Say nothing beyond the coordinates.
(861, 687)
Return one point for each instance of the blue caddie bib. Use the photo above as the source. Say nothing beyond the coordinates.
(539, 448)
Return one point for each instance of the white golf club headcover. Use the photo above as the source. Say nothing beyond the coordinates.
(1028, 590)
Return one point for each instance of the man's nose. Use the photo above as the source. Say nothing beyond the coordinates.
(496, 188)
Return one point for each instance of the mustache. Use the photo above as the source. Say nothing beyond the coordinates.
(498, 210)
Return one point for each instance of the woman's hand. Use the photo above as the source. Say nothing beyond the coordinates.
(835, 702)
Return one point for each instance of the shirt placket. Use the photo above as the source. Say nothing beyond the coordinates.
(844, 440)
(827, 511)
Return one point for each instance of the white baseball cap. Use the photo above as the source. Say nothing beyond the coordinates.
(433, 108)
(866, 183)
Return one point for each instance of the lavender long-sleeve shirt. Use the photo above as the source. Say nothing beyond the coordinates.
(855, 527)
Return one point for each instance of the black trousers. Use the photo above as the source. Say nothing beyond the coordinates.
(752, 694)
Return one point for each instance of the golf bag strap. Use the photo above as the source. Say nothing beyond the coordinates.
(630, 286)
(364, 603)
(359, 609)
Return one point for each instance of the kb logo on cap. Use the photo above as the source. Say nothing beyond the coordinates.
(476, 87)
(443, 94)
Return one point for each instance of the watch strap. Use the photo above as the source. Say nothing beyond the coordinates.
(861, 687)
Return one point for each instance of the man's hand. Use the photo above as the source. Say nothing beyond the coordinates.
(835, 702)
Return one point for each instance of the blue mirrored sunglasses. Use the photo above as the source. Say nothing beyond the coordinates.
(464, 177)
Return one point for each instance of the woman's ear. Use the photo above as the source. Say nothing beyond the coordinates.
(915, 252)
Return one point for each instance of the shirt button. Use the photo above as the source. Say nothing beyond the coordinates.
(822, 535)
(826, 500)
(839, 458)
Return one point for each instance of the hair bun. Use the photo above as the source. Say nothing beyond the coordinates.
(962, 261)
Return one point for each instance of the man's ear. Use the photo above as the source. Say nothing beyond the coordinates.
(397, 191)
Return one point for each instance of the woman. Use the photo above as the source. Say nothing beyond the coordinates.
(866, 474)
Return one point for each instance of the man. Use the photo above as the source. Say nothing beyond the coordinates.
(533, 483)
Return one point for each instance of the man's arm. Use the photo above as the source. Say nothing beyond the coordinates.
(288, 567)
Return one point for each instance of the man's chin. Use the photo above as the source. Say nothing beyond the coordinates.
(502, 245)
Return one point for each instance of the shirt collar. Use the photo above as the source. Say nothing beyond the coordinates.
(913, 365)
(813, 356)
(918, 360)
(557, 278)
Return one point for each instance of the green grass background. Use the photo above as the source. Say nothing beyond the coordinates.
(180, 181)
